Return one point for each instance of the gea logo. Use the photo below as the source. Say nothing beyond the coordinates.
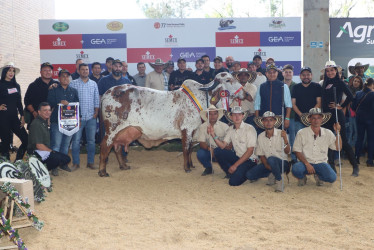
(358, 33)
(187, 55)
(98, 41)
(275, 39)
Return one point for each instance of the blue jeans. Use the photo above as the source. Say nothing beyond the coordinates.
(260, 171)
(59, 141)
(203, 156)
(226, 158)
(365, 125)
(90, 126)
(291, 135)
(323, 170)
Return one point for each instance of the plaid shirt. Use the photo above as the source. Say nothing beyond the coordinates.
(88, 97)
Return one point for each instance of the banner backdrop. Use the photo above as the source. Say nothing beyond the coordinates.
(144, 40)
(352, 41)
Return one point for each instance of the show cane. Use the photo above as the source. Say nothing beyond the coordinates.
(282, 138)
(338, 135)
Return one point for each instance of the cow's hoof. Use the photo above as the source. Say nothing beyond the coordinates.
(103, 174)
(124, 167)
(187, 170)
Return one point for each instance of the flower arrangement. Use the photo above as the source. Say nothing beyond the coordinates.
(6, 228)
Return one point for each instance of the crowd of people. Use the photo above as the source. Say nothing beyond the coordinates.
(317, 118)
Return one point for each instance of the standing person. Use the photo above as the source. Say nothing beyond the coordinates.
(269, 96)
(89, 107)
(207, 67)
(260, 79)
(96, 70)
(257, 60)
(108, 64)
(331, 81)
(206, 141)
(311, 148)
(157, 79)
(359, 69)
(235, 67)
(62, 94)
(269, 61)
(243, 138)
(363, 104)
(141, 75)
(270, 145)
(115, 78)
(37, 91)
(75, 75)
(200, 75)
(218, 66)
(355, 84)
(10, 107)
(39, 141)
(169, 68)
(229, 63)
(126, 74)
(180, 75)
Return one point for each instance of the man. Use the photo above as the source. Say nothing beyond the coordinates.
(229, 63)
(269, 61)
(108, 64)
(257, 60)
(205, 154)
(235, 67)
(169, 67)
(115, 78)
(39, 142)
(359, 70)
(75, 75)
(157, 79)
(260, 79)
(126, 74)
(37, 92)
(243, 138)
(62, 94)
(311, 147)
(272, 148)
(180, 75)
(96, 70)
(218, 66)
(288, 75)
(140, 77)
(207, 67)
(89, 107)
(246, 79)
(269, 96)
(200, 75)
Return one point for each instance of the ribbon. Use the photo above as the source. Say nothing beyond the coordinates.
(192, 97)
(224, 94)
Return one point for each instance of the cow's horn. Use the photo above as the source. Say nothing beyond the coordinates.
(213, 86)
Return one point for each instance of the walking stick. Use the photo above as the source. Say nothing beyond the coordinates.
(340, 163)
(282, 138)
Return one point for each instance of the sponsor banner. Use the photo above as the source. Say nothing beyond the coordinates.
(148, 55)
(280, 39)
(247, 54)
(93, 41)
(81, 26)
(57, 67)
(237, 39)
(61, 41)
(192, 54)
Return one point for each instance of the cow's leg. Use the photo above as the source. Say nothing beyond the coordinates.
(189, 155)
(185, 146)
(120, 158)
(104, 153)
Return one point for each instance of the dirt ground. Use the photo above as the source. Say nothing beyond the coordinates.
(156, 205)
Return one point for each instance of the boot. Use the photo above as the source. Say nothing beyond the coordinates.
(20, 154)
(355, 172)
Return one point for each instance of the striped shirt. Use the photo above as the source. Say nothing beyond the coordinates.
(88, 97)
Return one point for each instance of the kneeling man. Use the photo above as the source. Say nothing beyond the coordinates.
(235, 163)
(270, 145)
(205, 154)
(311, 146)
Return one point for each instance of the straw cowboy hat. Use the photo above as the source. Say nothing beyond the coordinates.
(10, 65)
(252, 75)
(331, 64)
(204, 113)
(236, 110)
(351, 69)
(158, 62)
(260, 124)
(314, 111)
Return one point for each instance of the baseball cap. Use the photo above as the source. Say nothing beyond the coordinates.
(63, 71)
(305, 68)
(46, 64)
(116, 61)
(181, 59)
(257, 56)
(270, 67)
(218, 58)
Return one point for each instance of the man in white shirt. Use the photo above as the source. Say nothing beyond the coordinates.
(311, 147)
(157, 79)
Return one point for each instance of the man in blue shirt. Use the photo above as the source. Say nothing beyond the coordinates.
(113, 79)
(89, 107)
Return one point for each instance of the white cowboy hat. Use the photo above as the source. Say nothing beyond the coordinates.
(260, 124)
(204, 116)
(351, 69)
(314, 111)
(236, 110)
(331, 64)
(252, 75)
(158, 62)
(10, 65)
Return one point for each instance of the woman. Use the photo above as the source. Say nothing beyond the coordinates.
(363, 104)
(355, 84)
(10, 107)
(332, 81)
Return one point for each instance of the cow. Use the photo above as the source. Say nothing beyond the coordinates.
(152, 116)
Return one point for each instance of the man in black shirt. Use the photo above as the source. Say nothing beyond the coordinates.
(96, 70)
(207, 67)
(76, 75)
(37, 92)
(108, 64)
(200, 75)
(257, 60)
(305, 95)
(180, 75)
(218, 66)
